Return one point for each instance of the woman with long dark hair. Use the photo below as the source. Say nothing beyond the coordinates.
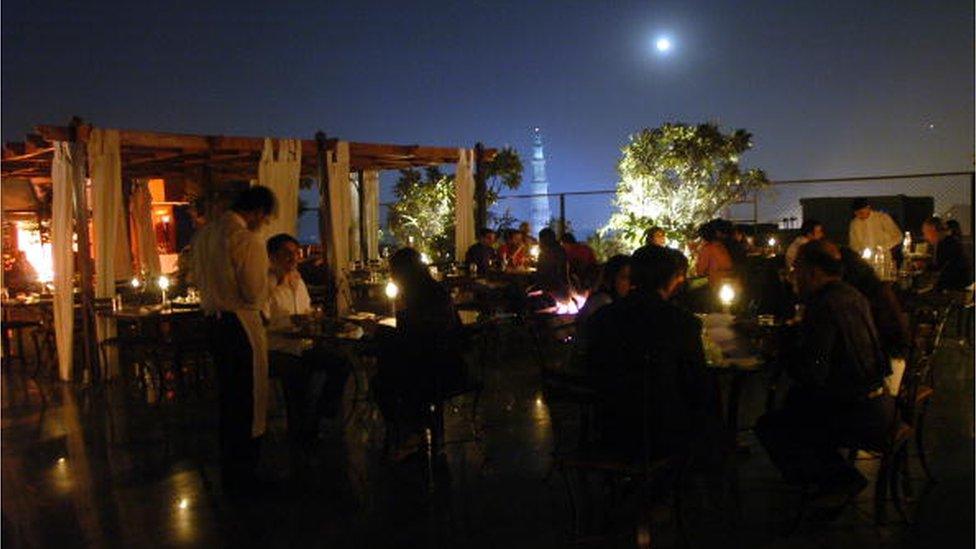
(420, 360)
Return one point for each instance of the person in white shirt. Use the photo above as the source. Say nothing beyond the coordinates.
(870, 229)
(313, 376)
(231, 271)
(811, 229)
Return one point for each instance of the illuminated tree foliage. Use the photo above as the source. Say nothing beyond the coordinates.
(424, 212)
(424, 209)
(678, 177)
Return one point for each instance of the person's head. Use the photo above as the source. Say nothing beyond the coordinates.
(723, 228)
(515, 238)
(952, 225)
(655, 269)
(812, 229)
(198, 213)
(615, 277)
(655, 237)
(739, 233)
(817, 263)
(486, 236)
(933, 230)
(407, 269)
(861, 208)
(547, 237)
(255, 205)
(524, 228)
(709, 231)
(568, 238)
(283, 252)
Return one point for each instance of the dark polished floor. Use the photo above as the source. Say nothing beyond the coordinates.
(99, 468)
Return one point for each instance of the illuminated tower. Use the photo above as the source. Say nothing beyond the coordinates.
(539, 215)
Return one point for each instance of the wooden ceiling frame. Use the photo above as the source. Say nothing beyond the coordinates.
(161, 154)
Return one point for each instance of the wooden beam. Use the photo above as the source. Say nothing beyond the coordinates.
(325, 220)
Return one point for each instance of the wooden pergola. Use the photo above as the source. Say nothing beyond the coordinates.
(212, 161)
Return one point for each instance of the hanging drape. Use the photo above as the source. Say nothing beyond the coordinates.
(280, 171)
(463, 204)
(339, 206)
(371, 212)
(105, 170)
(355, 250)
(143, 232)
(67, 172)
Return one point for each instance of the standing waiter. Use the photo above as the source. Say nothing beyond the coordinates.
(231, 271)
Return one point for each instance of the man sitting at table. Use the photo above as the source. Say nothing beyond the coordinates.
(313, 375)
(552, 269)
(647, 359)
(949, 263)
(837, 398)
(811, 229)
(482, 254)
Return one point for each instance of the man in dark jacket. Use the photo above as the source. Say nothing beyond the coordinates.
(482, 253)
(552, 269)
(950, 263)
(837, 398)
(646, 356)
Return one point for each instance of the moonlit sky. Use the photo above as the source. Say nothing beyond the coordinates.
(827, 88)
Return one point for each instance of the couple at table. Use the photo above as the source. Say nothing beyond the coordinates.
(646, 356)
(230, 261)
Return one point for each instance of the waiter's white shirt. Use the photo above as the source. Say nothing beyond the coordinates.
(230, 268)
(287, 298)
(877, 230)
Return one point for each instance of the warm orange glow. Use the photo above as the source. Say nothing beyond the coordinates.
(38, 254)
(157, 189)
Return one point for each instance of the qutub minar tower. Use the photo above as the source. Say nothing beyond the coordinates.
(539, 214)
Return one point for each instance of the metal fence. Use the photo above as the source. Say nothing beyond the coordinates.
(586, 212)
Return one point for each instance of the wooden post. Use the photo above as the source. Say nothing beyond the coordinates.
(85, 269)
(562, 214)
(972, 214)
(480, 189)
(363, 248)
(325, 217)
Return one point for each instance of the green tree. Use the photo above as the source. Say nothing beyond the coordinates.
(424, 209)
(677, 177)
(423, 213)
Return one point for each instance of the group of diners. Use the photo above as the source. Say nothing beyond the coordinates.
(644, 356)
(642, 351)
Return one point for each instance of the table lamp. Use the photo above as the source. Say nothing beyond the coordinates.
(392, 291)
(163, 285)
(726, 294)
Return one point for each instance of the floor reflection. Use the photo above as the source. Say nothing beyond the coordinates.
(97, 467)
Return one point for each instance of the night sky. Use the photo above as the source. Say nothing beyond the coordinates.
(827, 88)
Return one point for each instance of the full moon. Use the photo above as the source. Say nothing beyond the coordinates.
(663, 44)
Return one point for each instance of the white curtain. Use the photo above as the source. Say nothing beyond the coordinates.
(339, 206)
(463, 204)
(281, 172)
(143, 232)
(371, 213)
(355, 250)
(105, 170)
(67, 171)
